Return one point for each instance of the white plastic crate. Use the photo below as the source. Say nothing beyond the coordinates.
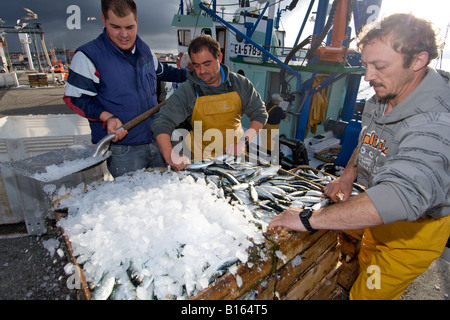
(22, 137)
(23, 199)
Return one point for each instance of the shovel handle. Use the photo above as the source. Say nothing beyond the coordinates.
(133, 122)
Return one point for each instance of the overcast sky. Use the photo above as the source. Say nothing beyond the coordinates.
(155, 18)
(154, 22)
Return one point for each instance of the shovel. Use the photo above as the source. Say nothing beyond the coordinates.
(57, 164)
(103, 145)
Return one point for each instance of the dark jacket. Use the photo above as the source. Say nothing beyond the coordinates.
(123, 84)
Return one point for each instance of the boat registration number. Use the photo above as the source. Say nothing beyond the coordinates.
(245, 49)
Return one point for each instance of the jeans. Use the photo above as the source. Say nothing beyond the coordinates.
(126, 159)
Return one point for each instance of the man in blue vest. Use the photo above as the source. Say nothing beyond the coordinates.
(113, 79)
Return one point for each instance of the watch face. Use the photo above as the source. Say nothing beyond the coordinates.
(305, 213)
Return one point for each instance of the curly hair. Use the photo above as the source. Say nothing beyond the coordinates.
(405, 33)
(201, 42)
(120, 8)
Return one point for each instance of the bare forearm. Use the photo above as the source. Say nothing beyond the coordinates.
(165, 145)
(351, 171)
(177, 161)
(253, 130)
(356, 213)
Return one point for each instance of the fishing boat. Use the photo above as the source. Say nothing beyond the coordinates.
(320, 64)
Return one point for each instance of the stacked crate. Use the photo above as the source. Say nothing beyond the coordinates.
(38, 80)
(296, 266)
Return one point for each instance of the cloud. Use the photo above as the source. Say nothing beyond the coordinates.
(154, 22)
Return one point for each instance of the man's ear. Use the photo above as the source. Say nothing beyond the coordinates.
(420, 61)
(104, 20)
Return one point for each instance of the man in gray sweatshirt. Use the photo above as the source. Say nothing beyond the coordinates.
(402, 158)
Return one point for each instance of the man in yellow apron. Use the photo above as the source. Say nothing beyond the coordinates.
(276, 114)
(213, 101)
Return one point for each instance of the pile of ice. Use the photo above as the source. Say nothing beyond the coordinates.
(57, 171)
(171, 230)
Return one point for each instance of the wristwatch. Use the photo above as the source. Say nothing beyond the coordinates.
(304, 215)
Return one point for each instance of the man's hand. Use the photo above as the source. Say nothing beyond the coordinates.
(288, 219)
(179, 162)
(339, 190)
(114, 126)
(236, 149)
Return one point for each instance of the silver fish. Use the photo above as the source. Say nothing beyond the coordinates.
(105, 289)
(199, 165)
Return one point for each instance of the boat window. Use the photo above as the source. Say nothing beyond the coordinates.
(184, 37)
(207, 32)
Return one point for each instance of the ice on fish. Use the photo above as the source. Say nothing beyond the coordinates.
(172, 233)
(176, 216)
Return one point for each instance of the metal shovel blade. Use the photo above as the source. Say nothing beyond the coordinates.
(103, 145)
(56, 164)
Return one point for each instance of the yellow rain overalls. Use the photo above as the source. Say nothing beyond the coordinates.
(270, 143)
(216, 123)
(393, 255)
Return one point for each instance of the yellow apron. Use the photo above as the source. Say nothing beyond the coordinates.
(270, 143)
(216, 124)
(393, 255)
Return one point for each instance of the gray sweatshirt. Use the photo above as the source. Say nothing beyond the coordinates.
(181, 103)
(404, 156)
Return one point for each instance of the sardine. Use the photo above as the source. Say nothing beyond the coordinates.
(225, 174)
(124, 290)
(314, 193)
(104, 290)
(264, 194)
(309, 199)
(199, 165)
(253, 193)
(240, 186)
(275, 191)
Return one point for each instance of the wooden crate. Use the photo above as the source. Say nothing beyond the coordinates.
(281, 275)
(83, 292)
(350, 243)
(38, 80)
(287, 266)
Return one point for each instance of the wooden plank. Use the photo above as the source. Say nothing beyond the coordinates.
(348, 273)
(265, 290)
(296, 243)
(231, 286)
(326, 287)
(292, 271)
(279, 282)
(277, 253)
(84, 291)
(314, 275)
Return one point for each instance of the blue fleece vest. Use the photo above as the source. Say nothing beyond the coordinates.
(125, 90)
